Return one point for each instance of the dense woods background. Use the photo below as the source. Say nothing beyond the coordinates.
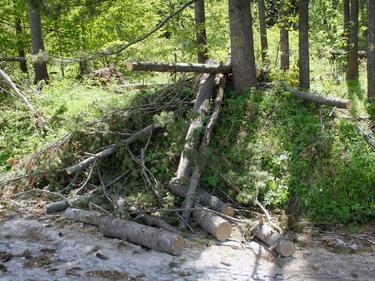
(309, 160)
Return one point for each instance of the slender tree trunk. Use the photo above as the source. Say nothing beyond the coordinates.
(263, 29)
(37, 43)
(201, 36)
(371, 51)
(242, 45)
(284, 37)
(352, 72)
(346, 24)
(21, 50)
(304, 62)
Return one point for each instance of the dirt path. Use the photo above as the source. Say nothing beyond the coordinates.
(40, 248)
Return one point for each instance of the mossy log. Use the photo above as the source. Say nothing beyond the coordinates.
(150, 237)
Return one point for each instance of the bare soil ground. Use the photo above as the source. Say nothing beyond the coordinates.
(37, 247)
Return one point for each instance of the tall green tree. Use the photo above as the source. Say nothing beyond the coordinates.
(352, 71)
(200, 25)
(371, 51)
(263, 29)
(284, 35)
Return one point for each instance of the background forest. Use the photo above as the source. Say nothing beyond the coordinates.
(308, 160)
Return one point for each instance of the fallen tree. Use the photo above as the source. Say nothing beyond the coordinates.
(274, 240)
(195, 178)
(179, 67)
(179, 188)
(331, 101)
(150, 237)
(112, 148)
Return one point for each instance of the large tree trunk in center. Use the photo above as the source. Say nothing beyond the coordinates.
(371, 51)
(201, 36)
(242, 45)
(37, 43)
(284, 37)
(352, 73)
(304, 62)
(263, 29)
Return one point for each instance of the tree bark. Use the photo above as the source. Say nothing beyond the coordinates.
(242, 45)
(179, 188)
(352, 73)
(179, 67)
(331, 101)
(304, 61)
(156, 222)
(274, 240)
(263, 29)
(150, 237)
(371, 51)
(215, 225)
(201, 36)
(111, 149)
(193, 136)
(195, 178)
(284, 37)
(21, 50)
(346, 6)
(37, 43)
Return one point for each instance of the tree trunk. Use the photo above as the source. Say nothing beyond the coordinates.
(179, 188)
(304, 61)
(352, 73)
(21, 50)
(242, 45)
(150, 237)
(371, 51)
(37, 43)
(195, 178)
(263, 29)
(201, 36)
(346, 6)
(193, 136)
(274, 240)
(179, 67)
(331, 101)
(284, 38)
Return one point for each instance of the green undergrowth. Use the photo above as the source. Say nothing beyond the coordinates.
(267, 145)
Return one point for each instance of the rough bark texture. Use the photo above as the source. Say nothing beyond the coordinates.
(200, 110)
(179, 67)
(242, 45)
(263, 29)
(111, 149)
(346, 7)
(21, 50)
(304, 61)
(201, 36)
(57, 206)
(150, 237)
(274, 240)
(37, 43)
(215, 225)
(179, 188)
(371, 51)
(156, 222)
(284, 38)
(195, 178)
(331, 101)
(352, 73)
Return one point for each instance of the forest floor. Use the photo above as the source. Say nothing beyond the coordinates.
(38, 247)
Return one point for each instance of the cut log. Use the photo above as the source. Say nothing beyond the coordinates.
(331, 101)
(274, 240)
(195, 178)
(179, 188)
(213, 224)
(150, 237)
(60, 206)
(179, 67)
(13, 59)
(111, 149)
(156, 222)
